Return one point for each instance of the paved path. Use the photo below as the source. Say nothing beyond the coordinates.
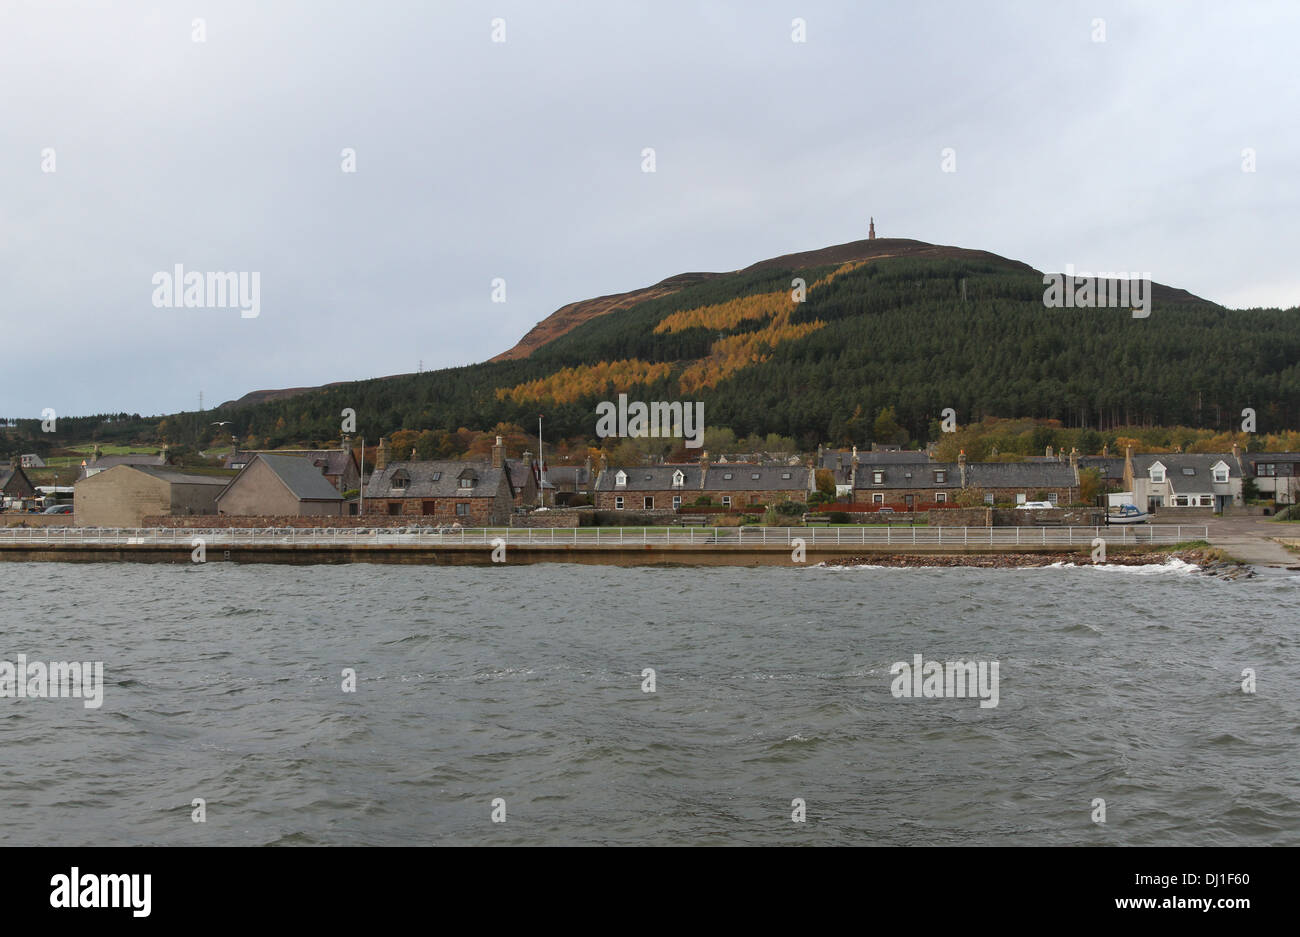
(1249, 539)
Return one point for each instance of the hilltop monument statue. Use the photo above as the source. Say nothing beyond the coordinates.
(871, 230)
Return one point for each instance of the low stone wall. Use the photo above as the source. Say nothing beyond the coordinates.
(1168, 515)
(657, 518)
(875, 517)
(196, 521)
(553, 518)
(1013, 517)
(961, 517)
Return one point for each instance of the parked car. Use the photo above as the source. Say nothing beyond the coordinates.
(1034, 505)
(885, 510)
(58, 509)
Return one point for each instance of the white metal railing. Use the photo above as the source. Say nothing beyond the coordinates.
(611, 536)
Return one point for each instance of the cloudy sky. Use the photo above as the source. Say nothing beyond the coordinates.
(522, 160)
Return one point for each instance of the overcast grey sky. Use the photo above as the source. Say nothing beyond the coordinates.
(522, 160)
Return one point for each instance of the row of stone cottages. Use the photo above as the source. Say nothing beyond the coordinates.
(117, 491)
(123, 491)
(1195, 481)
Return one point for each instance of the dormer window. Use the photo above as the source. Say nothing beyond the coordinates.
(468, 478)
(877, 478)
(400, 480)
(940, 476)
(467, 483)
(1220, 472)
(620, 479)
(679, 478)
(1157, 474)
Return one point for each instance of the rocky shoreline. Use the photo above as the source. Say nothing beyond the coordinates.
(1210, 562)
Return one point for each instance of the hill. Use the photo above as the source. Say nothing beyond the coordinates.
(884, 323)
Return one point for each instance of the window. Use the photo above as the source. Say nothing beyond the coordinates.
(620, 479)
(618, 503)
(462, 508)
(648, 503)
(754, 476)
(726, 501)
(677, 502)
(436, 476)
(428, 507)
(1266, 469)
(679, 478)
(988, 499)
(467, 483)
(1021, 498)
(1157, 474)
(1207, 501)
(878, 498)
(940, 497)
(753, 499)
(940, 476)
(1051, 497)
(1220, 473)
(400, 480)
(1180, 501)
(786, 476)
(394, 507)
(727, 476)
(877, 478)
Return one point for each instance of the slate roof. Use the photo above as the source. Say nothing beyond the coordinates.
(329, 461)
(747, 476)
(437, 479)
(650, 478)
(660, 478)
(105, 462)
(835, 459)
(908, 475)
(8, 472)
(978, 475)
(1254, 458)
(1175, 462)
(181, 478)
(301, 477)
(1020, 475)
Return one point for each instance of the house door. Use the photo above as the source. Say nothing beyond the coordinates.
(1220, 501)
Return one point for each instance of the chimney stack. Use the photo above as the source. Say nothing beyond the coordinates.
(961, 467)
(1049, 452)
(498, 454)
(704, 466)
(381, 456)
(1236, 455)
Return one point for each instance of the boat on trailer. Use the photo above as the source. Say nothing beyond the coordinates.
(1127, 514)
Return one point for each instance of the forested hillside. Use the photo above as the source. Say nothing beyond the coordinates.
(918, 334)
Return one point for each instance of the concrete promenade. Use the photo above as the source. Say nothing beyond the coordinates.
(747, 546)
